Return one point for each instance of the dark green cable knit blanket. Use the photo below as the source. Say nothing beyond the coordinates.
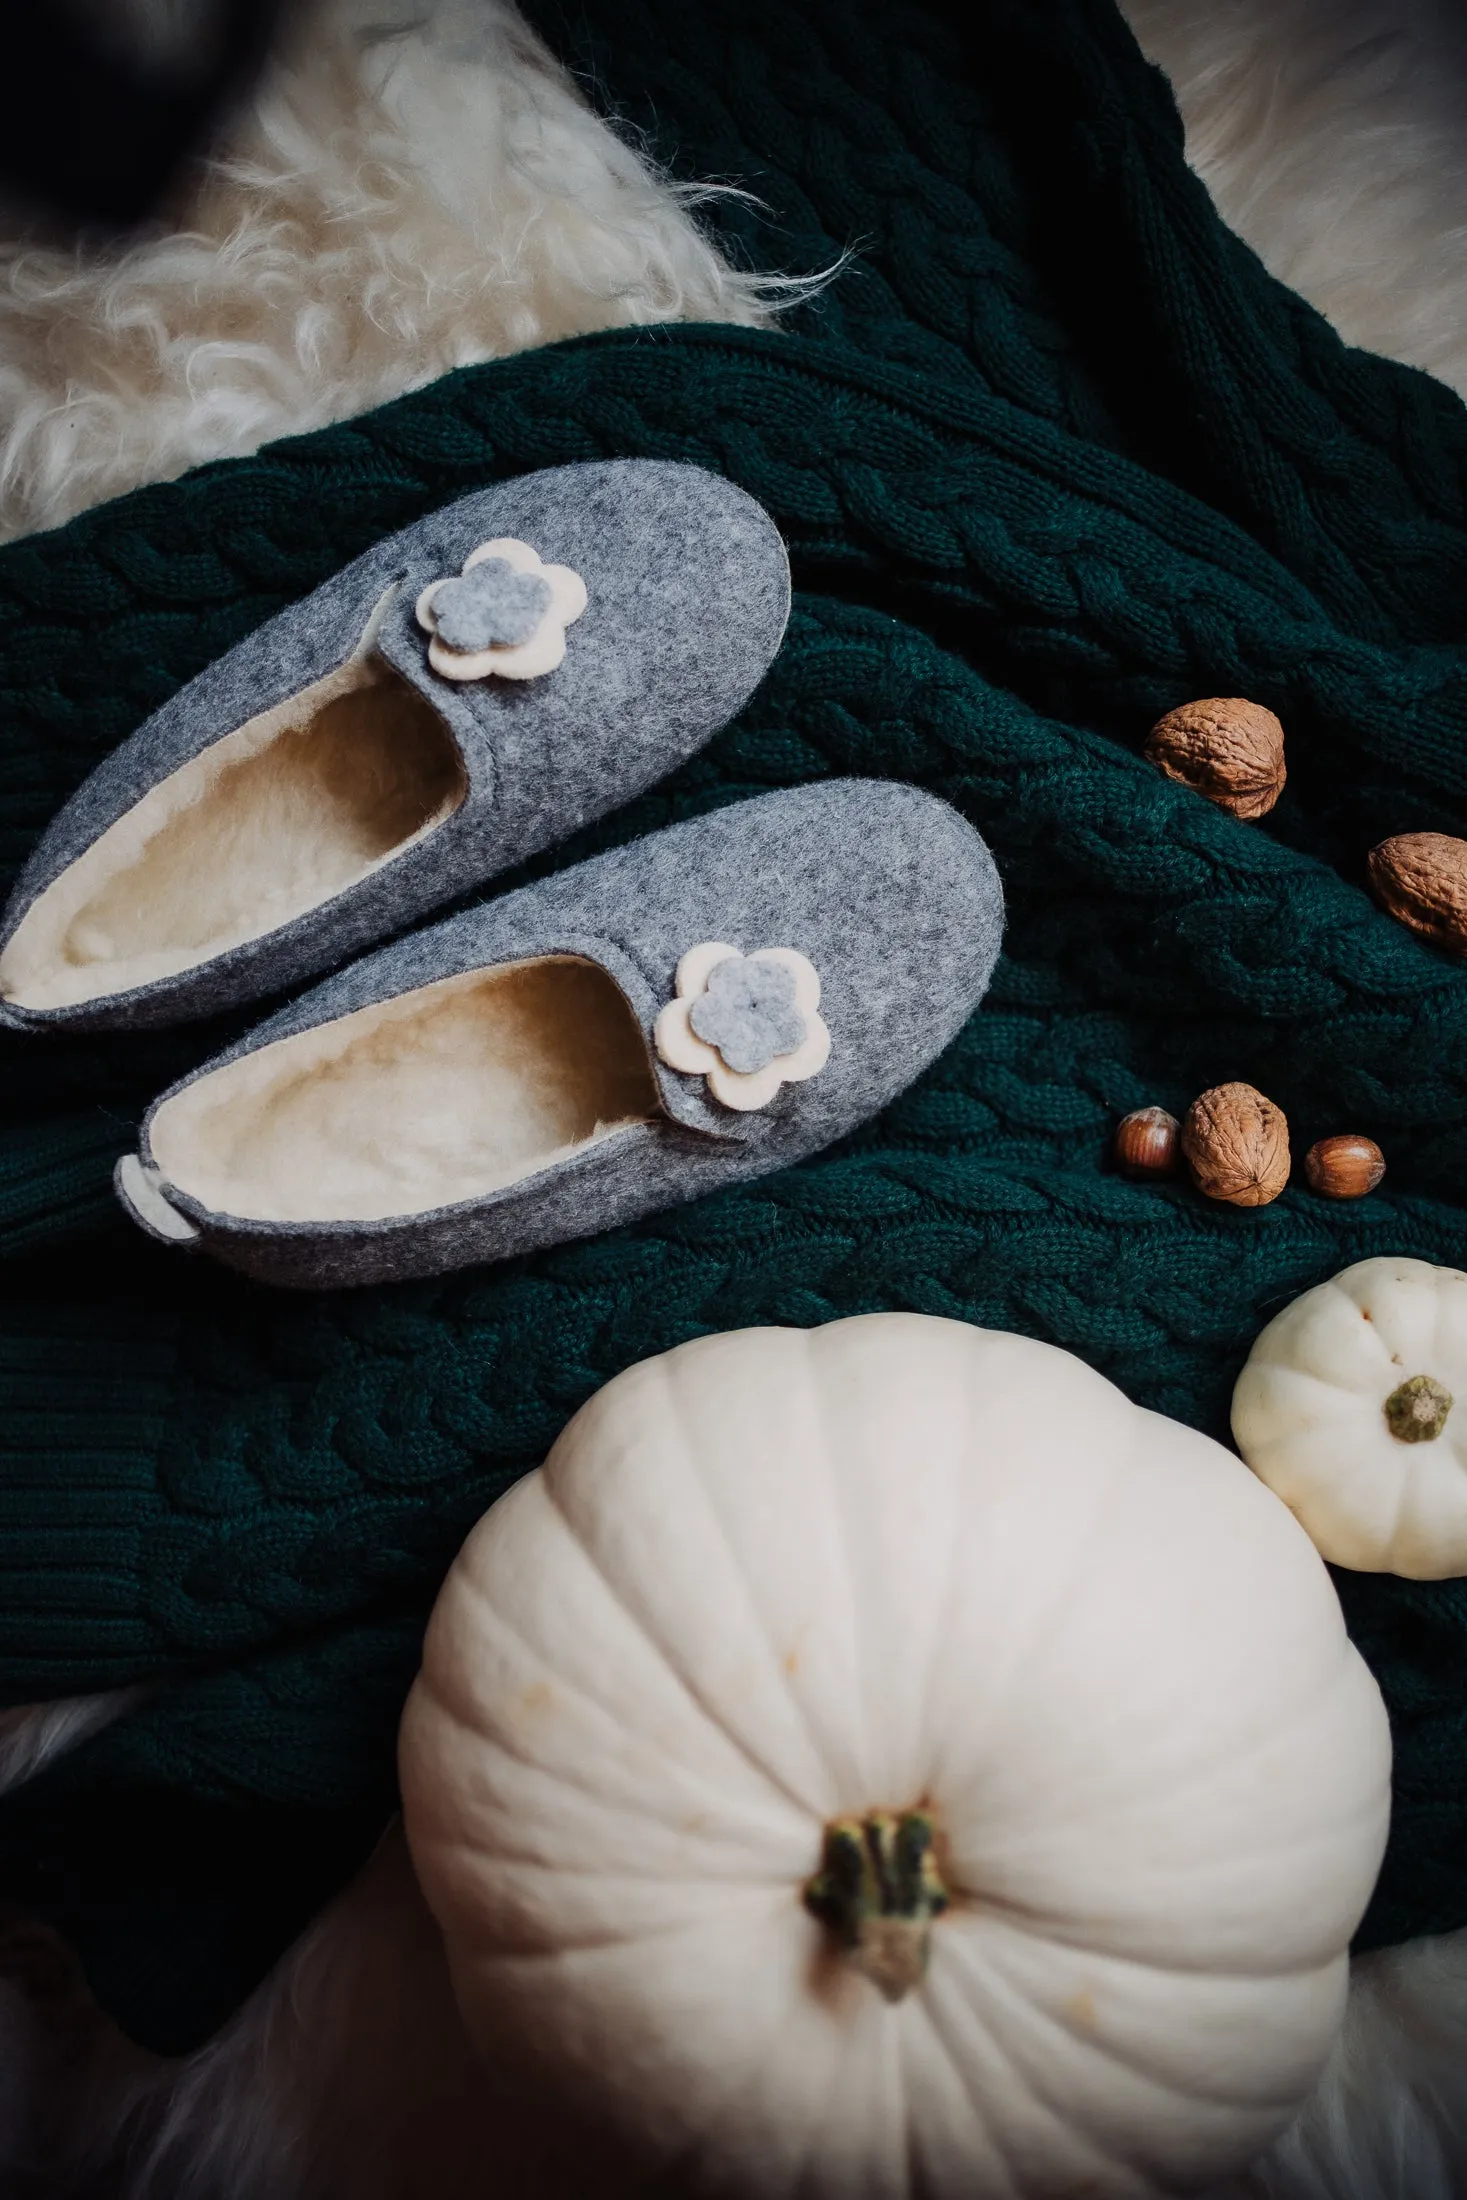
(1052, 455)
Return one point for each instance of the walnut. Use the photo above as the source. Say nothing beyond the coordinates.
(1236, 1145)
(1225, 747)
(1421, 880)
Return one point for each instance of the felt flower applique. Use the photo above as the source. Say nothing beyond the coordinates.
(748, 1023)
(505, 614)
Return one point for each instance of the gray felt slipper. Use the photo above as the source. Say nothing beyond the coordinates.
(464, 695)
(699, 1007)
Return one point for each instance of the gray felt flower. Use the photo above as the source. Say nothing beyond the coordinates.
(505, 614)
(490, 607)
(747, 1010)
(748, 1023)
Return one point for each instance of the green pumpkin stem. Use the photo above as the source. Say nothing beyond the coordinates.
(1416, 1410)
(878, 1890)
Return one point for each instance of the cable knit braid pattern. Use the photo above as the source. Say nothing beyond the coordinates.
(1054, 455)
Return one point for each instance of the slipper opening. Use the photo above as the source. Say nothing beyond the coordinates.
(444, 1094)
(261, 827)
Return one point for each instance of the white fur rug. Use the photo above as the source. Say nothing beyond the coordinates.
(415, 188)
(1333, 136)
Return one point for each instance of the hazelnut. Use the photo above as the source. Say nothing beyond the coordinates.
(1225, 747)
(1346, 1167)
(1236, 1143)
(1146, 1143)
(1421, 880)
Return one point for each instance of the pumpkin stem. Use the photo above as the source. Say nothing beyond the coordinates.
(1416, 1411)
(878, 1890)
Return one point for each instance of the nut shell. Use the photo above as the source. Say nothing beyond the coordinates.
(1236, 1144)
(1226, 748)
(1420, 879)
(1346, 1167)
(1145, 1143)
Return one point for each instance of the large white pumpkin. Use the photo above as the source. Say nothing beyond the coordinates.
(780, 1598)
(1353, 1409)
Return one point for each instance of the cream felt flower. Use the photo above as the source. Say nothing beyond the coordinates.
(505, 614)
(748, 1023)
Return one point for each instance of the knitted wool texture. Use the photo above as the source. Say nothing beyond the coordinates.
(1054, 456)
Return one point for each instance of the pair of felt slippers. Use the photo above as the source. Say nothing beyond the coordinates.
(701, 1006)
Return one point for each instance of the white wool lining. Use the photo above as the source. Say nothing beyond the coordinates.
(442, 1094)
(265, 825)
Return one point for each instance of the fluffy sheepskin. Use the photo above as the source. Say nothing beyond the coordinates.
(1331, 134)
(442, 1094)
(413, 189)
(261, 827)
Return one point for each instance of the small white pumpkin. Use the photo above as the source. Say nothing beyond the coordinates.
(1352, 1407)
(884, 1761)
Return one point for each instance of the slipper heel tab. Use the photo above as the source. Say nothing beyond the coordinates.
(140, 1189)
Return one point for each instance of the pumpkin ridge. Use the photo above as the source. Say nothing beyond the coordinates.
(1304, 1719)
(491, 1613)
(1047, 1925)
(690, 1435)
(666, 1657)
(1053, 1925)
(960, 1528)
(831, 1480)
(1105, 1488)
(1408, 1491)
(926, 2008)
(610, 1808)
(497, 1947)
(1110, 2050)
(1000, 2038)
